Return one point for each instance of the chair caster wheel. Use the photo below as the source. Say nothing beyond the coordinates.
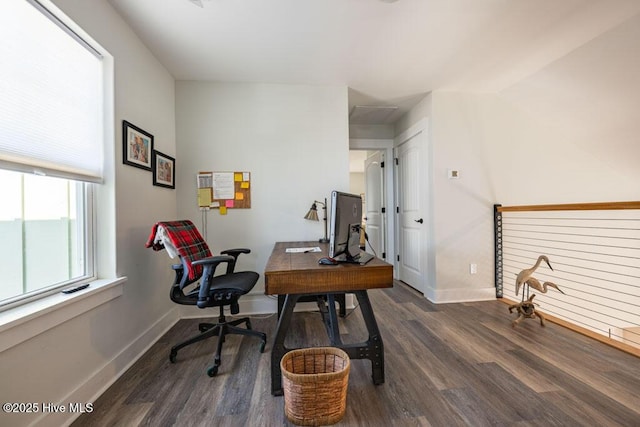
(212, 371)
(172, 356)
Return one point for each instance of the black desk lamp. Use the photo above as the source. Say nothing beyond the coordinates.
(313, 216)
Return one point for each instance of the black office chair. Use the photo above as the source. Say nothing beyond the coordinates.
(197, 264)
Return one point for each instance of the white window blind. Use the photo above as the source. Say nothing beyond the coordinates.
(51, 96)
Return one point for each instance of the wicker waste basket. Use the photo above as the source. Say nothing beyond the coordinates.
(315, 383)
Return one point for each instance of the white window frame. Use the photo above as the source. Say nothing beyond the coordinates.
(25, 319)
(85, 207)
(85, 210)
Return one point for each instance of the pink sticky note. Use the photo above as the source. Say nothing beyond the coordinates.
(228, 203)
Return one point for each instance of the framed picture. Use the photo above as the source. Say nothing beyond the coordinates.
(164, 170)
(137, 146)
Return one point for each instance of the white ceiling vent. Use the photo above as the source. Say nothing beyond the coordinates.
(372, 115)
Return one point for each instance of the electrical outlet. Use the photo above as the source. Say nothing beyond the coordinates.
(473, 268)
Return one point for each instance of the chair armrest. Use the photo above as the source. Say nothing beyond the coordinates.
(235, 253)
(210, 264)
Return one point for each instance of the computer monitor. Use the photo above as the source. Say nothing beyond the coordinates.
(344, 229)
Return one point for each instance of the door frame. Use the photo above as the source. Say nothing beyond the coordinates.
(422, 126)
(386, 145)
(372, 168)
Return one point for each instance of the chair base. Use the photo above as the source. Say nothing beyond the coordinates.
(220, 329)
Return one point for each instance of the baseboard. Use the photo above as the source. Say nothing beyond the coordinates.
(628, 348)
(108, 374)
(446, 296)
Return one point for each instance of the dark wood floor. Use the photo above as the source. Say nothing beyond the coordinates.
(446, 365)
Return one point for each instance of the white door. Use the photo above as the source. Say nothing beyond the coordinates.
(374, 203)
(411, 212)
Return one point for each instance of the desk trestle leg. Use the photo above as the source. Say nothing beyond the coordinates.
(372, 349)
(279, 350)
(330, 319)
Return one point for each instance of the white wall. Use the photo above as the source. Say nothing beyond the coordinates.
(356, 183)
(76, 360)
(292, 138)
(505, 155)
(592, 96)
(371, 131)
(463, 207)
(565, 134)
(413, 116)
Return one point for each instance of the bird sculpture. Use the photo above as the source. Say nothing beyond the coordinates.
(526, 309)
(525, 277)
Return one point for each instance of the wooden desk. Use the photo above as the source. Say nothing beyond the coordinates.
(298, 275)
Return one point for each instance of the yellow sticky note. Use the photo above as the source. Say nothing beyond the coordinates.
(223, 210)
(204, 197)
(245, 184)
(237, 176)
(239, 196)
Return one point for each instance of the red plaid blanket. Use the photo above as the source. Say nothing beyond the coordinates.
(187, 240)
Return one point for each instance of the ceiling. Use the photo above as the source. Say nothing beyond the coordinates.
(387, 53)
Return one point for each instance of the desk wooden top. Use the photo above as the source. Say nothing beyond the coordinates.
(300, 273)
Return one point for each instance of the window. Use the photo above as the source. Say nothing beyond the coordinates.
(45, 233)
(51, 149)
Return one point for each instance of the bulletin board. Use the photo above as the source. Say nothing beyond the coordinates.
(224, 190)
